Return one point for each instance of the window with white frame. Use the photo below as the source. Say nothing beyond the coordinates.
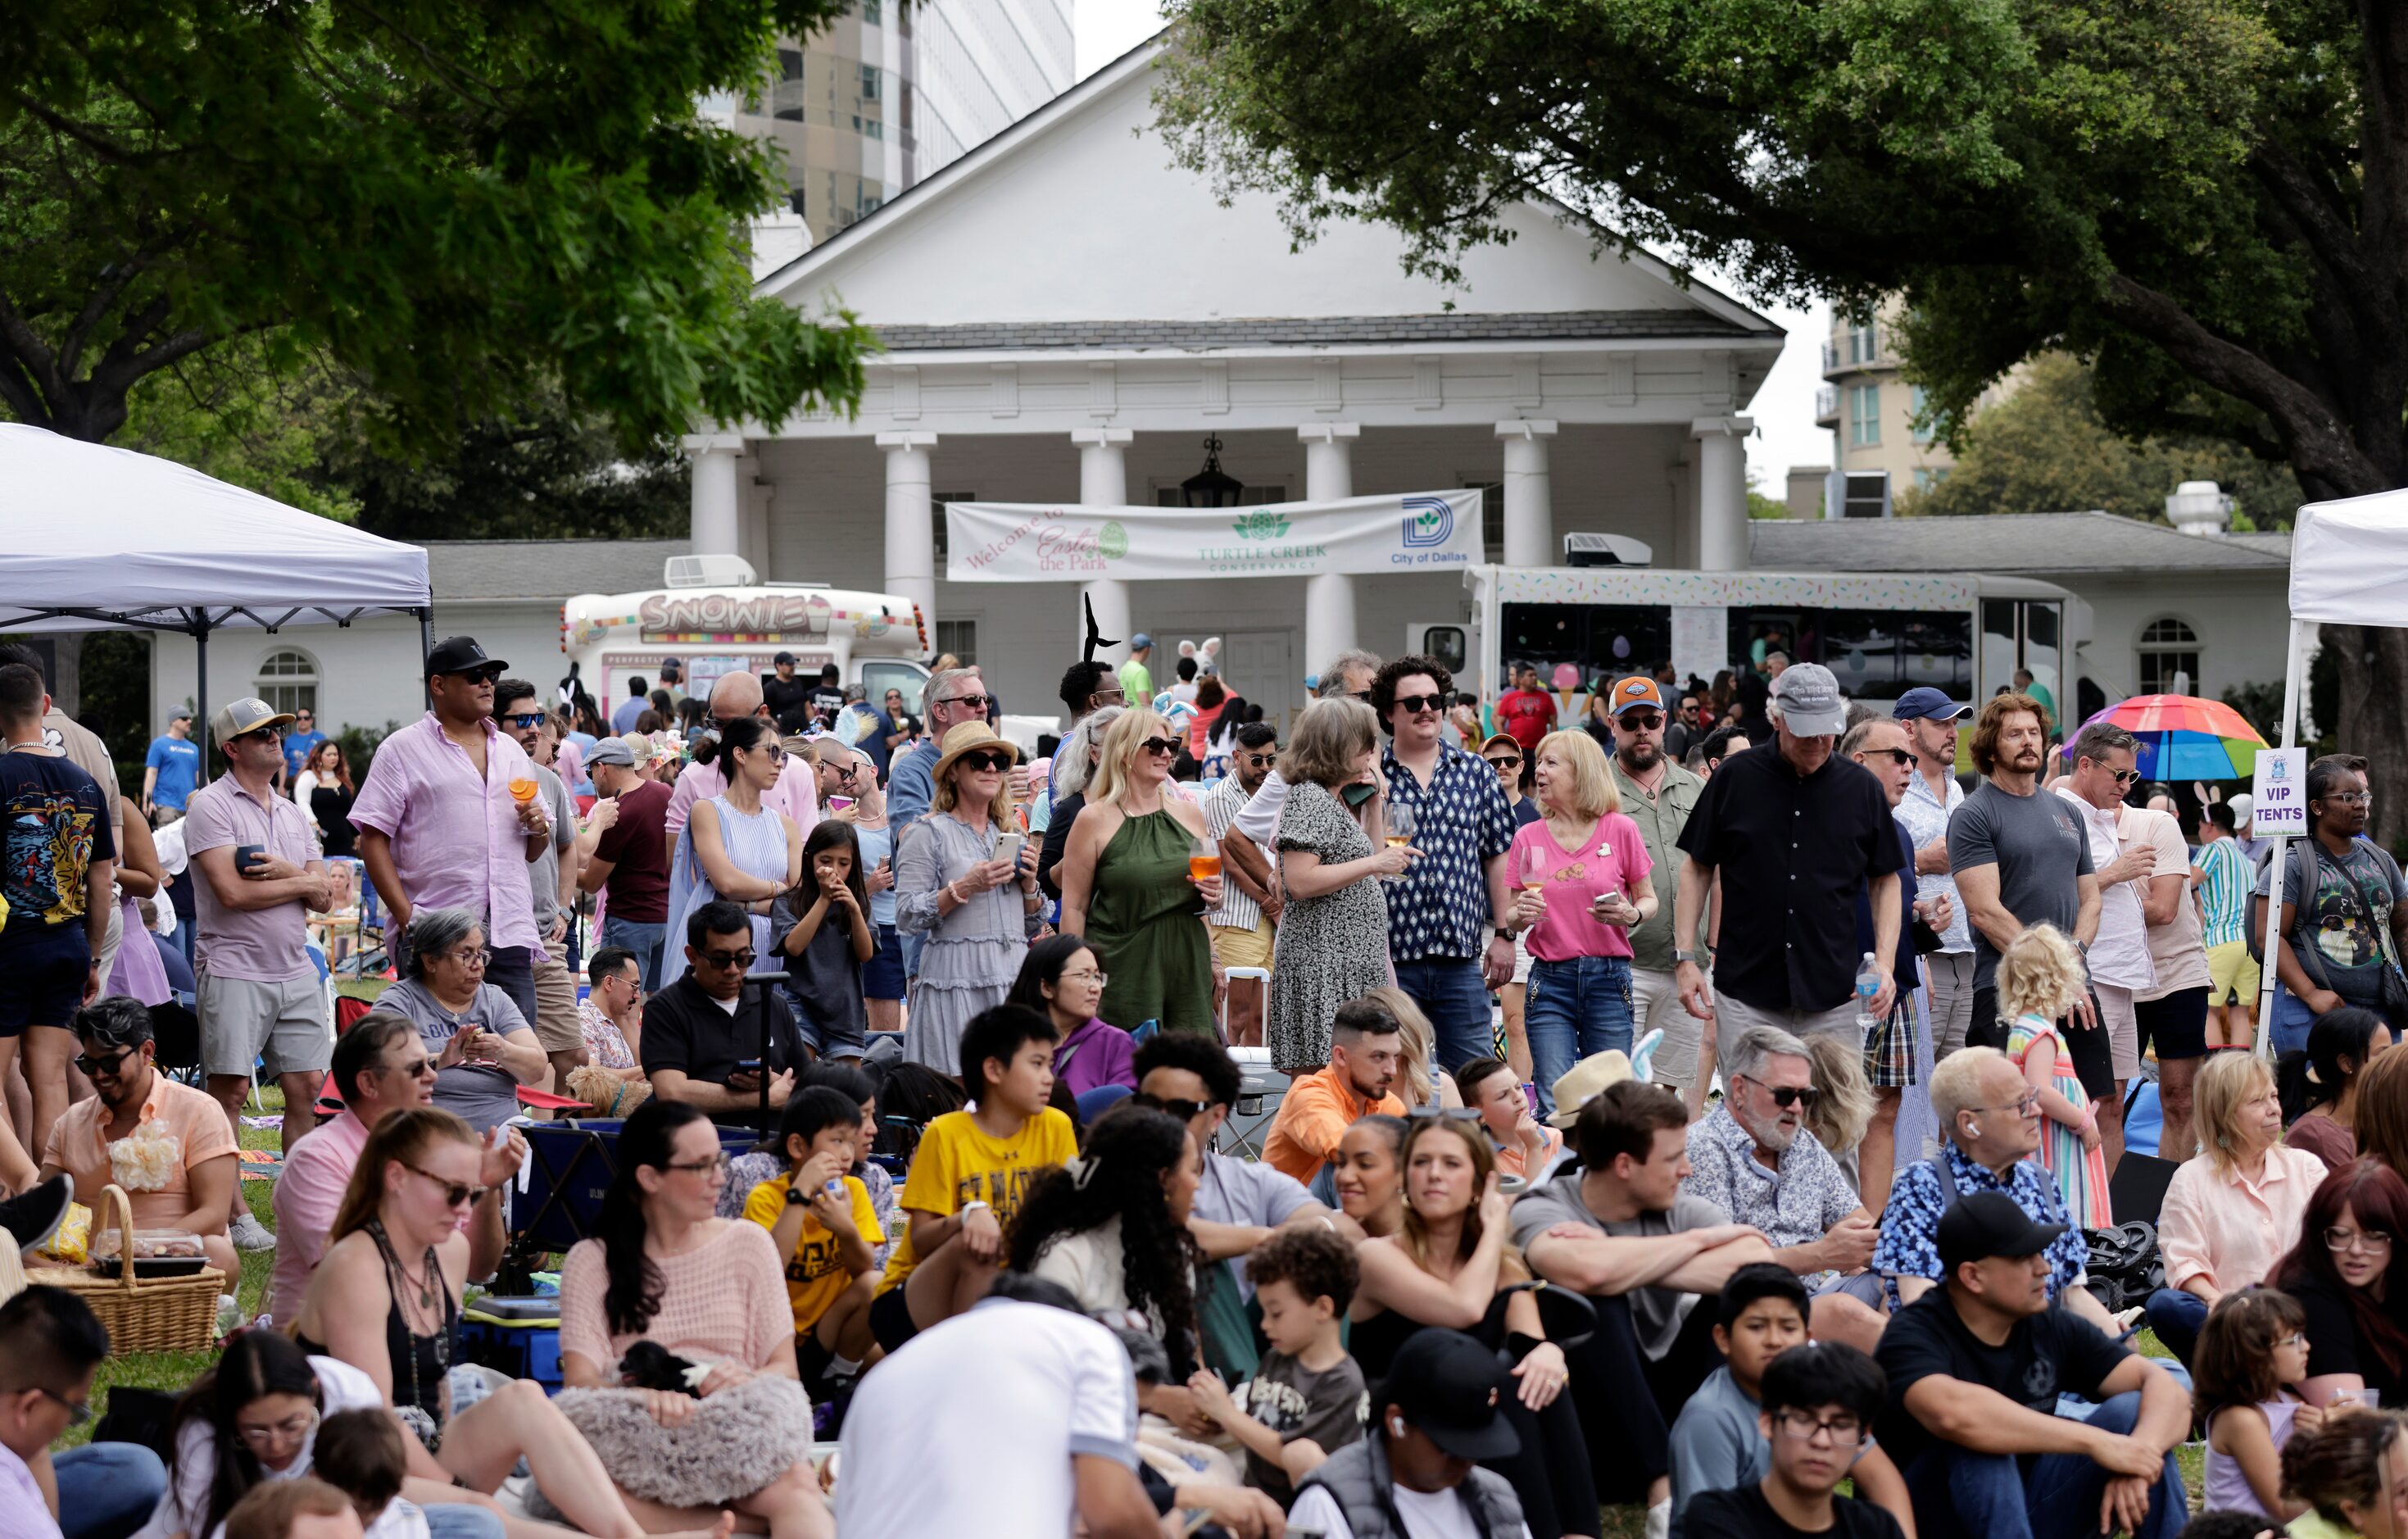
(1864, 415)
(288, 679)
(960, 638)
(2169, 657)
(1864, 343)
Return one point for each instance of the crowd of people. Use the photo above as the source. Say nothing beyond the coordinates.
(932, 1146)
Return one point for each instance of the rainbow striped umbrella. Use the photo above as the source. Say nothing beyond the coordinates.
(2184, 737)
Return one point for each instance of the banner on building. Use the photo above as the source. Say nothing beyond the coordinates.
(1030, 542)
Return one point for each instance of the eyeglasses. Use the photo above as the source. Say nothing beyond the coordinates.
(106, 1064)
(1108, 696)
(730, 962)
(1418, 704)
(1089, 975)
(291, 1430)
(1801, 1425)
(1642, 721)
(455, 1193)
(1899, 757)
(2296, 1341)
(1160, 745)
(1786, 1096)
(1261, 761)
(469, 955)
(1503, 761)
(2368, 1241)
(996, 763)
(524, 720)
(717, 1164)
(2026, 1104)
(976, 702)
(2350, 798)
(79, 1411)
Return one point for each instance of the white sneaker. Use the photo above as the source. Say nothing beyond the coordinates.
(248, 1234)
(1660, 1520)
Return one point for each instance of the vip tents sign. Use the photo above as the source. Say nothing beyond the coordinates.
(1025, 542)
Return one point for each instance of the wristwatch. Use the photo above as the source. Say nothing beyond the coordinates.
(1696, 957)
(1503, 933)
(794, 1196)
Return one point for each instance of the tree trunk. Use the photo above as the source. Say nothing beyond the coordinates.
(2374, 662)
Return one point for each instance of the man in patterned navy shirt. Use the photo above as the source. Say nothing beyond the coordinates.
(1446, 913)
(1993, 1122)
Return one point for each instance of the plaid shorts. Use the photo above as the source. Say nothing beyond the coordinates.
(1889, 1047)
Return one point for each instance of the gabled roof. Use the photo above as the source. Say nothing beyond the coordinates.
(548, 570)
(2007, 543)
(1075, 217)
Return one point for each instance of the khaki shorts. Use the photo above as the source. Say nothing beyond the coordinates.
(1238, 947)
(2232, 973)
(283, 1025)
(555, 1008)
(2123, 1029)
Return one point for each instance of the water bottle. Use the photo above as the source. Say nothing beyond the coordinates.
(1868, 982)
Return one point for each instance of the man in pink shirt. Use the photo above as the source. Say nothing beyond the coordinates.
(441, 828)
(381, 1066)
(734, 696)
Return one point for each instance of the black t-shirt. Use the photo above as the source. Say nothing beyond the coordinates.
(789, 699)
(1744, 1514)
(2051, 1353)
(826, 701)
(53, 825)
(685, 1030)
(1798, 849)
(2335, 1344)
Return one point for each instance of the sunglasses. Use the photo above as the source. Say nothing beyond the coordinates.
(477, 675)
(1418, 704)
(1786, 1096)
(997, 762)
(416, 1066)
(1899, 756)
(731, 961)
(1642, 721)
(2124, 777)
(265, 734)
(775, 752)
(1185, 1111)
(1362, 695)
(106, 1064)
(1261, 760)
(976, 702)
(525, 719)
(455, 1193)
(1504, 761)
(1160, 745)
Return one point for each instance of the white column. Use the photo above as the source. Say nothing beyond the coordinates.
(1722, 492)
(910, 530)
(1330, 597)
(717, 526)
(1529, 495)
(1103, 482)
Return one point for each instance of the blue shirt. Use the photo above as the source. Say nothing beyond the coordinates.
(178, 763)
(1910, 1230)
(911, 787)
(1440, 907)
(297, 747)
(622, 721)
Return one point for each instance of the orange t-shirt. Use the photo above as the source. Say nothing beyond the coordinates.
(1313, 1117)
(193, 1119)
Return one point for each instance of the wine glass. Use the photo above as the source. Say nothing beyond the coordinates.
(1402, 825)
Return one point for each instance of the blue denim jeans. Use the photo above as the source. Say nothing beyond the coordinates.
(1574, 1009)
(459, 1521)
(644, 939)
(2177, 1317)
(1956, 1490)
(1453, 994)
(108, 1490)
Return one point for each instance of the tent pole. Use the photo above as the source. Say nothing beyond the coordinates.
(201, 686)
(2293, 667)
(426, 650)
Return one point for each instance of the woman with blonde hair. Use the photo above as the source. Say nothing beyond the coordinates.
(2233, 1208)
(1583, 870)
(1333, 935)
(386, 1299)
(1419, 1086)
(957, 884)
(1841, 1114)
(2039, 977)
(1128, 886)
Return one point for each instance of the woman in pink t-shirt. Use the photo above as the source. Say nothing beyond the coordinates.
(1583, 875)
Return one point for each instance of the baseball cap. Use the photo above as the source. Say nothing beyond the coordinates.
(1985, 1224)
(1508, 739)
(2244, 807)
(237, 717)
(1636, 690)
(1450, 1389)
(1809, 701)
(671, 669)
(782, 659)
(611, 751)
(1140, 640)
(1923, 703)
(460, 654)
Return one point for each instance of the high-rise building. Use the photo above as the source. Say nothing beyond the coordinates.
(891, 94)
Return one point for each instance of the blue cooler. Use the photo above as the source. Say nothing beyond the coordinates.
(520, 1337)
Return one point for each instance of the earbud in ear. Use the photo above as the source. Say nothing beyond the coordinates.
(1972, 1131)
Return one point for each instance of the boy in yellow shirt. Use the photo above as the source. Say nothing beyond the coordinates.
(970, 1173)
(821, 1221)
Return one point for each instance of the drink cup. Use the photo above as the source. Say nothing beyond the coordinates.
(1202, 866)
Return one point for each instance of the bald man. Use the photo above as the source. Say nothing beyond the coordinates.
(734, 696)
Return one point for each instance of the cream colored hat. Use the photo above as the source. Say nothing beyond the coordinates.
(1587, 1080)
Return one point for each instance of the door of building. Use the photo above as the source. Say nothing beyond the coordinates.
(1255, 664)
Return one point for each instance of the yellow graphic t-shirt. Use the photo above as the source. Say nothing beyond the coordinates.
(815, 1274)
(956, 1163)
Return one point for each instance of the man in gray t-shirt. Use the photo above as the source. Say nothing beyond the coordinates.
(2038, 861)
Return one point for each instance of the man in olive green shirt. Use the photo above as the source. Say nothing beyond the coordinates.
(1657, 795)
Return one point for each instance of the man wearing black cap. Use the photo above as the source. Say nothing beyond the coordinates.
(1416, 1474)
(789, 698)
(1975, 1368)
(441, 827)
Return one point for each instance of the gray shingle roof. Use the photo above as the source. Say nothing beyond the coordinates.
(1309, 331)
(467, 570)
(2006, 542)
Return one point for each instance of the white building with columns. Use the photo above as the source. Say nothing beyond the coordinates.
(1068, 315)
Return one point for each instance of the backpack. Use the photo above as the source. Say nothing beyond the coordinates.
(2303, 872)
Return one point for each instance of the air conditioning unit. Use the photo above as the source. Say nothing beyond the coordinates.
(1595, 550)
(1856, 493)
(708, 571)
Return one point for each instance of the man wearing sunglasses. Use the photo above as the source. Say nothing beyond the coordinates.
(2131, 898)
(438, 825)
(115, 1053)
(1242, 925)
(705, 1034)
(1657, 795)
(300, 742)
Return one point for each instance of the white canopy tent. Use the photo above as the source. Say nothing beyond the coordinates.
(2349, 567)
(99, 539)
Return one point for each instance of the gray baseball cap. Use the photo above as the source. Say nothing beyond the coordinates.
(1809, 697)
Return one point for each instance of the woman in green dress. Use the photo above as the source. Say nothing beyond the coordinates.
(1127, 886)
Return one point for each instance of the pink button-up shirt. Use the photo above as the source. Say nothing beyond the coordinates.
(796, 794)
(455, 844)
(2230, 1229)
(308, 1193)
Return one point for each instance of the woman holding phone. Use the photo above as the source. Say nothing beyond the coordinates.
(1131, 883)
(964, 877)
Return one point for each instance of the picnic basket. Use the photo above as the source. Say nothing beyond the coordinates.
(144, 1313)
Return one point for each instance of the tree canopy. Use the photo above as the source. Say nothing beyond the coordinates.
(462, 209)
(2206, 200)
